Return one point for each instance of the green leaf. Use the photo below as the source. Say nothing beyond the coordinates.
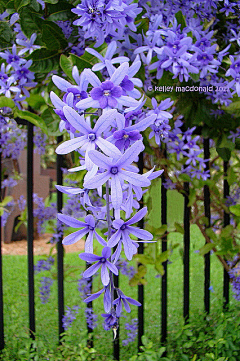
(231, 176)
(143, 25)
(44, 60)
(6, 200)
(53, 36)
(6, 102)
(224, 153)
(206, 248)
(144, 259)
(30, 21)
(51, 120)
(66, 65)
(181, 20)
(192, 197)
(80, 62)
(212, 235)
(51, 1)
(6, 33)
(178, 228)
(60, 12)
(235, 210)
(33, 118)
(20, 3)
(163, 257)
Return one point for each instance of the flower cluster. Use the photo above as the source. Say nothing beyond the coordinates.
(69, 316)
(100, 19)
(46, 283)
(108, 146)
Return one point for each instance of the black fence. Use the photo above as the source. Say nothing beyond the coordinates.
(164, 278)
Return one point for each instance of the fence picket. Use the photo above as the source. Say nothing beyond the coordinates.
(207, 211)
(1, 278)
(226, 222)
(164, 248)
(60, 250)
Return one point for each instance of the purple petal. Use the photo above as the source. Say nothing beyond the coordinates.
(108, 148)
(132, 301)
(139, 215)
(126, 305)
(143, 124)
(94, 296)
(87, 103)
(131, 154)
(127, 244)
(116, 92)
(69, 190)
(103, 102)
(97, 180)
(140, 233)
(107, 300)
(71, 221)
(114, 239)
(74, 237)
(91, 270)
(96, 93)
(89, 257)
(112, 267)
(100, 239)
(70, 145)
(61, 83)
(76, 120)
(92, 78)
(135, 179)
(112, 102)
(89, 243)
(104, 275)
(99, 159)
(116, 192)
(106, 252)
(89, 219)
(119, 73)
(104, 121)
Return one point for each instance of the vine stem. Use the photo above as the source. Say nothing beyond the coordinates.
(108, 237)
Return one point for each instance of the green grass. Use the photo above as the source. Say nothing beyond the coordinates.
(15, 289)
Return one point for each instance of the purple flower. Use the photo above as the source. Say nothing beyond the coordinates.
(91, 318)
(116, 171)
(46, 283)
(123, 231)
(28, 45)
(122, 299)
(87, 227)
(106, 298)
(109, 93)
(101, 262)
(69, 316)
(110, 321)
(91, 137)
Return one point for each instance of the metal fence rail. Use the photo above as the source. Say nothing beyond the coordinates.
(164, 280)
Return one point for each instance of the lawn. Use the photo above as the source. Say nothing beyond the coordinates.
(16, 299)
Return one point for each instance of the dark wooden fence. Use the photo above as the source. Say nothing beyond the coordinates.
(164, 279)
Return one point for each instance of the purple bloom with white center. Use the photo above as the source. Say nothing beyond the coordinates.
(12, 57)
(28, 45)
(122, 299)
(116, 171)
(127, 135)
(91, 137)
(87, 227)
(102, 261)
(111, 49)
(109, 93)
(124, 229)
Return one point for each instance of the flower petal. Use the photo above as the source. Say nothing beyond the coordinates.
(137, 217)
(119, 73)
(116, 192)
(76, 120)
(74, 237)
(104, 275)
(140, 233)
(71, 221)
(91, 270)
(70, 145)
(96, 181)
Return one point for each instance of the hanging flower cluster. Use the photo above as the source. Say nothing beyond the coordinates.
(108, 143)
